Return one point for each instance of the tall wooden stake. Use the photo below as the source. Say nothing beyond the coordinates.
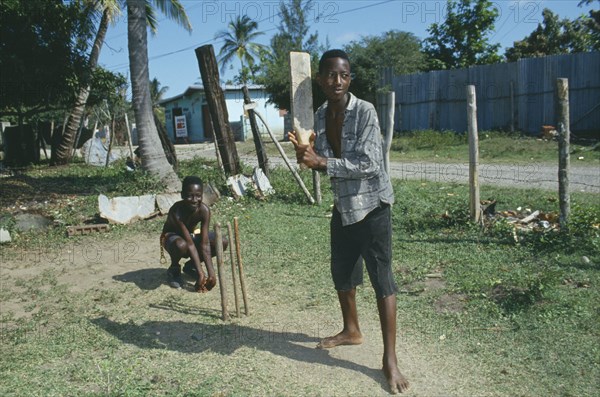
(130, 144)
(111, 137)
(215, 99)
(385, 109)
(564, 138)
(222, 287)
(238, 250)
(231, 255)
(261, 154)
(317, 187)
(474, 204)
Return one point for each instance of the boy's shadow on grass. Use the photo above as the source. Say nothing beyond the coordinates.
(225, 339)
(146, 279)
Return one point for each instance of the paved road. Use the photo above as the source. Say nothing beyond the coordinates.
(585, 179)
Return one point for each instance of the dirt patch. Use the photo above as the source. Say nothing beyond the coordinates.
(450, 303)
(446, 302)
(121, 285)
(434, 284)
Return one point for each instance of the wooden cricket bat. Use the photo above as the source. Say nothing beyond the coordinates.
(301, 97)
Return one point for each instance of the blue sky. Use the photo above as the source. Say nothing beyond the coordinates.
(171, 50)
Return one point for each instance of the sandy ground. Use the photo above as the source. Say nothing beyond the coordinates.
(278, 335)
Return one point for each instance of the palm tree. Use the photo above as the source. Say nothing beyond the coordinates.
(140, 15)
(156, 95)
(238, 42)
(110, 10)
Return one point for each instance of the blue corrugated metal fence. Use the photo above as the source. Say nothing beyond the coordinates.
(517, 95)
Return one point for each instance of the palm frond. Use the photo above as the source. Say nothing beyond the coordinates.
(175, 11)
(151, 19)
(237, 42)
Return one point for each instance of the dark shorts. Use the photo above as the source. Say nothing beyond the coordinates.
(369, 239)
(168, 238)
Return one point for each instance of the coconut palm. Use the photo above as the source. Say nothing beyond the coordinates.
(157, 93)
(238, 42)
(109, 10)
(140, 15)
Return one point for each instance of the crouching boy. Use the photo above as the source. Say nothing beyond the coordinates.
(179, 240)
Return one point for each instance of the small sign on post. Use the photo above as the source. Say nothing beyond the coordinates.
(180, 127)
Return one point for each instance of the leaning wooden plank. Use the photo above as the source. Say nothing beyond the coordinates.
(287, 161)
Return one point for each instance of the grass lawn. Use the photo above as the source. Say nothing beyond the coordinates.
(449, 147)
(494, 147)
(481, 311)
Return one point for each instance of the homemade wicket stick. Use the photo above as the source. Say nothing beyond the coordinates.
(219, 244)
(235, 291)
(240, 264)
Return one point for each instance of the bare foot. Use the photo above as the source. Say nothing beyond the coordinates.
(397, 381)
(200, 287)
(211, 281)
(343, 338)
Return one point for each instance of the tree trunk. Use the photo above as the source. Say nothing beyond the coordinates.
(215, 99)
(167, 145)
(153, 157)
(63, 153)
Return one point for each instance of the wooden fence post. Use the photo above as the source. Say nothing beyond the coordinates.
(564, 137)
(385, 109)
(111, 137)
(261, 154)
(215, 99)
(474, 204)
(130, 144)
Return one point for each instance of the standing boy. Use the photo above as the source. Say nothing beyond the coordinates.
(179, 240)
(347, 146)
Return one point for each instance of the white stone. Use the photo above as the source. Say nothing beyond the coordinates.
(262, 182)
(239, 184)
(4, 236)
(124, 210)
(165, 201)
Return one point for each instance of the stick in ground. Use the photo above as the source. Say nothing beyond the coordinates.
(240, 264)
(219, 244)
(235, 292)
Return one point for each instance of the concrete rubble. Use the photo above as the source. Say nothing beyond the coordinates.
(123, 210)
(241, 184)
(4, 236)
